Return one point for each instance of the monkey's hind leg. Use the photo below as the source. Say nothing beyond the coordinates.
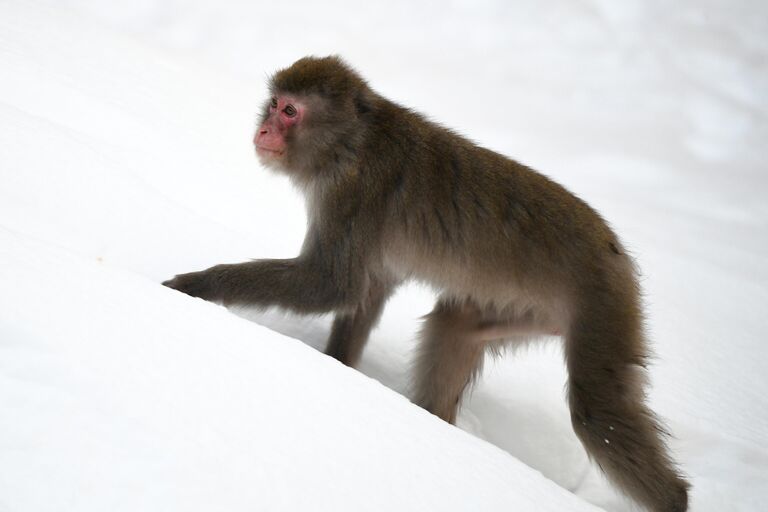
(605, 355)
(350, 330)
(449, 356)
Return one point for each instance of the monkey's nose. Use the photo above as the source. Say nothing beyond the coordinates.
(261, 132)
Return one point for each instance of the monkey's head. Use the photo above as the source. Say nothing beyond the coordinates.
(315, 118)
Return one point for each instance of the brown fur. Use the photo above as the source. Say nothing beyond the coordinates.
(393, 196)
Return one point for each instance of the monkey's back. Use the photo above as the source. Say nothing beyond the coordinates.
(464, 217)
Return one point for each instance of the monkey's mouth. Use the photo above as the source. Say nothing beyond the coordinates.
(262, 151)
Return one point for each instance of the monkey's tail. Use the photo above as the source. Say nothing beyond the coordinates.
(606, 355)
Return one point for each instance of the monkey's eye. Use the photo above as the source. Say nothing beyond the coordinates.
(273, 103)
(290, 110)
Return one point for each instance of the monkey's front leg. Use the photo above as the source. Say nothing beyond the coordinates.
(350, 330)
(291, 284)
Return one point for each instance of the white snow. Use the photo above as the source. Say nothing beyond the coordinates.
(125, 157)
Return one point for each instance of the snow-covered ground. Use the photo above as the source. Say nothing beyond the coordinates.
(125, 157)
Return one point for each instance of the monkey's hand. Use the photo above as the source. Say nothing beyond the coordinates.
(204, 284)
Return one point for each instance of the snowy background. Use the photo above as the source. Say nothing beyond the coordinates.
(126, 157)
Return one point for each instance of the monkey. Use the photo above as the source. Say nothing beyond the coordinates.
(392, 196)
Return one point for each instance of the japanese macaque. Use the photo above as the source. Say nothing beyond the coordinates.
(393, 196)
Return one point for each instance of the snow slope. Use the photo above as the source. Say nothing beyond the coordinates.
(121, 396)
(125, 158)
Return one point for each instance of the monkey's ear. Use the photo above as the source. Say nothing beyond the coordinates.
(363, 103)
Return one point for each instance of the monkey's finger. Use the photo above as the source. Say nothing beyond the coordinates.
(195, 284)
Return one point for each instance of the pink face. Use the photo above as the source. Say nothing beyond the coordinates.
(284, 112)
